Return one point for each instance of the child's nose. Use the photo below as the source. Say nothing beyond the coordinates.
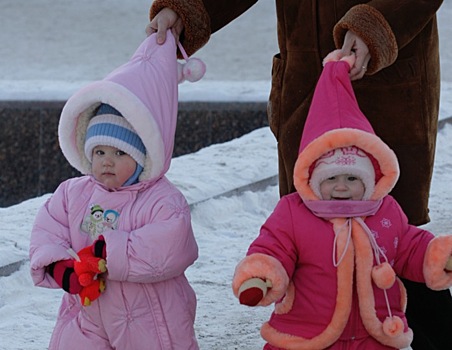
(341, 184)
(108, 161)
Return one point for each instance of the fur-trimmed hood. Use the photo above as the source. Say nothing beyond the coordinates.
(335, 121)
(145, 91)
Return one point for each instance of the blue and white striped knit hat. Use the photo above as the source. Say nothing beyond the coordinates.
(109, 128)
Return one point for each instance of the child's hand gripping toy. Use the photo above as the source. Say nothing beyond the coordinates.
(88, 266)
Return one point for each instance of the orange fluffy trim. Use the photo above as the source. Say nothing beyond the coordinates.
(371, 26)
(438, 253)
(265, 267)
(345, 137)
(364, 262)
(403, 295)
(286, 304)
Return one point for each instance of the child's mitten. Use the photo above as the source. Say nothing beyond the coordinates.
(64, 275)
(99, 248)
(252, 291)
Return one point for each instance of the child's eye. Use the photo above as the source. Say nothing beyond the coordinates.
(120, 153)
(99, 152)
(352, 178)
(332, 178)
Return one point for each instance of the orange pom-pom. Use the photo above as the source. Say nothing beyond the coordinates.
(393, 326)
(383, 275)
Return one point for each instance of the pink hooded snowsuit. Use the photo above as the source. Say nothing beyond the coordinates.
(320, 256)
(148, 302)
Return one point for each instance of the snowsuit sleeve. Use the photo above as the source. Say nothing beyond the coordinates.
(276, 237)
(50, 238)
(420, 256)
(159, 250)
(272, 255)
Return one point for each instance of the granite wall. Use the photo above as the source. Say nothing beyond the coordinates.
(31, 163)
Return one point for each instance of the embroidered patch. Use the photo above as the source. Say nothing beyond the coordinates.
(99, 220)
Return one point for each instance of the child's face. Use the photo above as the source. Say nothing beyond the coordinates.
(342, 187)
(111, 166)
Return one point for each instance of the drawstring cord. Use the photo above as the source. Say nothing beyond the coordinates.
(347, 225)
(192, 70)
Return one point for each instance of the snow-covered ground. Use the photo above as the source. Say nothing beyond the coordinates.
(51, 48)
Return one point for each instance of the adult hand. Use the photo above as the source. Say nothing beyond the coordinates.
(353, 43)
(164, 20)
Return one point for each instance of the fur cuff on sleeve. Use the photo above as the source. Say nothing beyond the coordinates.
(370, 25)
(195, 18)
(266, 267)
(438, 253)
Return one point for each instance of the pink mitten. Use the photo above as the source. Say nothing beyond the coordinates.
(252, 291)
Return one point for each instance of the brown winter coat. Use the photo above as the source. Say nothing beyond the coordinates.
(399, 95)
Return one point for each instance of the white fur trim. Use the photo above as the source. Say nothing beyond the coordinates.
(80, 108)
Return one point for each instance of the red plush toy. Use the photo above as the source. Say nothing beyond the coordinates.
(87, 266)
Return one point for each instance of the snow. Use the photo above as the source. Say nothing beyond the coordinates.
(50, 52)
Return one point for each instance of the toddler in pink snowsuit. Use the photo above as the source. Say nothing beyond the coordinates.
(329, 255)
(123, 214)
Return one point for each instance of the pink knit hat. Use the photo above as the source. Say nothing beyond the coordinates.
(338, 138)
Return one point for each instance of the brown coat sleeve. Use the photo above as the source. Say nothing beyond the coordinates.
(201, 18)
(195, 18)
(386, 27)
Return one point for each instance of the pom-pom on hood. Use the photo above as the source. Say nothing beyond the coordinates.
(145, 92)
(335, 121)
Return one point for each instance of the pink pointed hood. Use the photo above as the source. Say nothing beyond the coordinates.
(335, 121)
(145, 91)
